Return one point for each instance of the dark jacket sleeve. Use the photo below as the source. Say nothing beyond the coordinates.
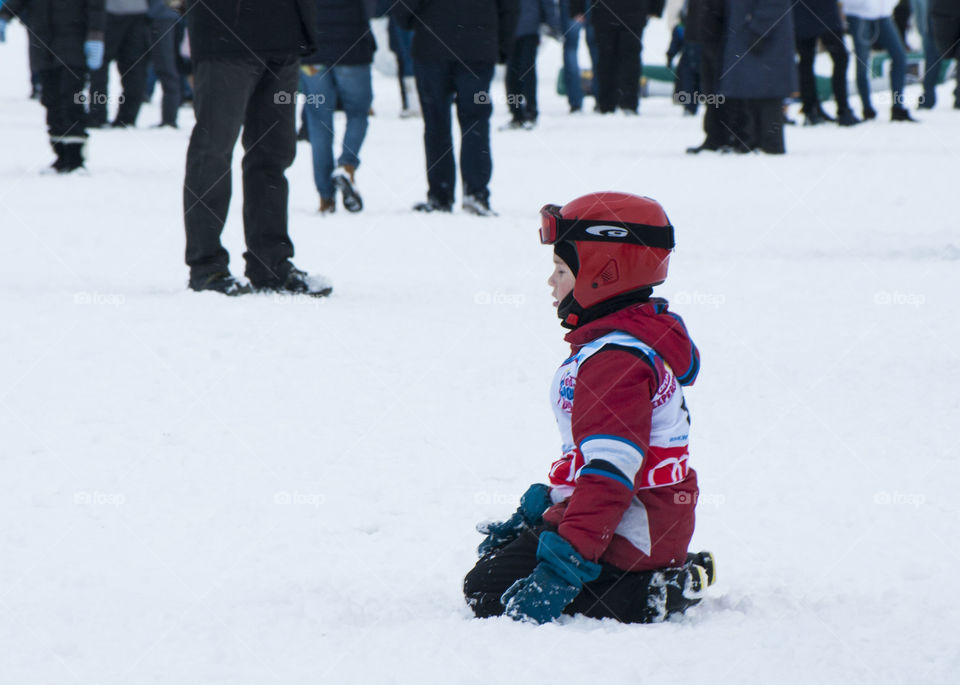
(577, 7)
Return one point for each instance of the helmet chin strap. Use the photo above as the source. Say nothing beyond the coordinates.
(569, 311)
(572, 315)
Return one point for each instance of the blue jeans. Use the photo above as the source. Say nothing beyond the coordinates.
(884, 32)
(931, 61)
(439, 85)
(352, 86)
(571, 65)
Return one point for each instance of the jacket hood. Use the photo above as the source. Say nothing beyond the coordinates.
(655, 325)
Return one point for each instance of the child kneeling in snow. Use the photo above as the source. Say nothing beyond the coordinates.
(608, 537)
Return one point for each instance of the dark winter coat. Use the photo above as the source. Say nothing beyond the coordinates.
(247, 29)
(812, 18)
(758, 57)
(463, 30)
(343, 34)
(704, 23)
(630, 13)
(948, 8)
(58, 28)
(533, 13)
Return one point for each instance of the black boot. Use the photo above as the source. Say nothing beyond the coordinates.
(72, 157)
(58, 163)
(707, 562)
(220, 282)
(900, 113)
(823, 115)
(846, 117)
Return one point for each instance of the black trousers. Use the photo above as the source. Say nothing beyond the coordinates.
(521, 78)
(163, 56)
(439, 84)
(716, 115)
(807, 48)
(757, 124)
(618, 65)
(260, 98)
(626, 597)
(126, 41)
(61, 91)
(946, 34)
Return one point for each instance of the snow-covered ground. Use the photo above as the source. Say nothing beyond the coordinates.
(198, 489)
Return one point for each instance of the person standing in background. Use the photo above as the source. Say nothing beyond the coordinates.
(67, 37)
(246, 65)
(686, 90)
(619, 25)
(870, 22)
(339, 71)
(945, 27)
(820, 20)
(521, 76)
(163, 16)
(931, 63)
(127, 43)
(571, 25)
(759, 72)
(400, 42)
(456, 44)
(706, 20)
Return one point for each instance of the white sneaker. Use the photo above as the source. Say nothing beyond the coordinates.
(477, 206)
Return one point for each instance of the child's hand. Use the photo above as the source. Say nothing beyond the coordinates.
(499, 533)
(542, 596)
(534, 502)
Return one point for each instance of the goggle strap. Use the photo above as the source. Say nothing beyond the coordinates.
(633, 234)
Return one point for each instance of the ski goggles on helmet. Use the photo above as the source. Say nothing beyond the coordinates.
(554, 228)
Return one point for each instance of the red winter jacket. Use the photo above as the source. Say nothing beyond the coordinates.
(623, 490)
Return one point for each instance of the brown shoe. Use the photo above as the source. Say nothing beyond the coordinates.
(327, 206)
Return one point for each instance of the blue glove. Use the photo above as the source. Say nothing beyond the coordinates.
(542, 596)
(533, 503)
(93, 51)
(3, 29)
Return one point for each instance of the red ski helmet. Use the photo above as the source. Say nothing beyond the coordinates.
(622, 243)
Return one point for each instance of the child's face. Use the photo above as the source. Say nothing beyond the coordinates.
(561, 280)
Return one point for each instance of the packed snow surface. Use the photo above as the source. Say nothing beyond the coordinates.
(266, 489)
